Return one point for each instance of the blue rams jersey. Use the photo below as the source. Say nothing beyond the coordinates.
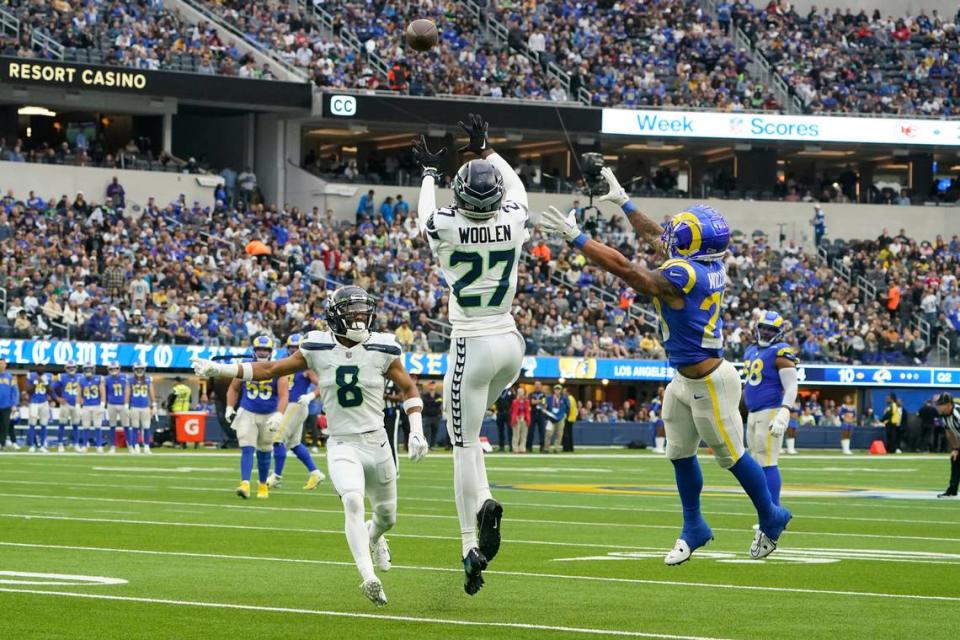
(9, 391)
(42, 383)
(259, 396)
(90, 390)
(762, 388)
(694, 332)
(116, 388)
(140, 392)
(299, 385)
(847, 414)
(69, 387)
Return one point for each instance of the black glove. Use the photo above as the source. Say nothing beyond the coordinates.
(427, 159)
(477, 130)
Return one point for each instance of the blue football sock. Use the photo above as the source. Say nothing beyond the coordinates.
(31, 434)
(146, 436)
(246, 463)
(279, 457)
(773, 482)
(43, 435)
(753, 481)
(126, 436)
(76, 436)
(303, 455)
(263, 465)
(61, 434)
(689, 485)
(98, 437)
(113, 437)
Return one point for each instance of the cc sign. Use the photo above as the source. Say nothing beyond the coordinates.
(343, 106)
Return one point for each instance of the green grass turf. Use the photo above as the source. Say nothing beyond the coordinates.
(572, 557)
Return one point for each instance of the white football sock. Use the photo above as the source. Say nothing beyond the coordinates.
(845, 445)
(470, 490)
(661, 441)
(791, 445)
(357, 537)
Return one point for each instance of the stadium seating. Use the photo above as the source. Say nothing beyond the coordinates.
(188, 286)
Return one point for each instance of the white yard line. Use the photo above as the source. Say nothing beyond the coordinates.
(523, 574)
(365, 616)
(408, 514)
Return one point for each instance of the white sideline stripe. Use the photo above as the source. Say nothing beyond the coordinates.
(366, 616)
(522, 574)
(406, 514)
(806, 516)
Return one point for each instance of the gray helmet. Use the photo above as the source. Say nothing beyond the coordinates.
(478, 190)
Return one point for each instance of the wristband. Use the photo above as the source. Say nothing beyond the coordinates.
(230, 370)
(415, 420)
(628, 207)
(430, 172)
(580, 240)
(412, 403)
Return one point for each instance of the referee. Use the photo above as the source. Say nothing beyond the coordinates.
(949, 410)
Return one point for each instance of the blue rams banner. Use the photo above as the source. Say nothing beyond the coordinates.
(177, 357)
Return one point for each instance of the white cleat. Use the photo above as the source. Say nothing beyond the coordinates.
(99, 449)
(380, 550)
(146, 449)
(15, 446)
(136, 448)
(373, 589)
(112, 450)
(60, 448)
(762, 546)
(848, 453)
(274, 481)
(32, 449)
(679, 554)
(314, 450)
(43, 450)
(658, 451)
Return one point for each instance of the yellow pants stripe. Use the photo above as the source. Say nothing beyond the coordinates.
(716, 414)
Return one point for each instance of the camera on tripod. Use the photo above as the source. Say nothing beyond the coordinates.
(590, 165)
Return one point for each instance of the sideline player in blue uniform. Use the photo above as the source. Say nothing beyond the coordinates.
(262, 403)
(9, 401)
(141, 407)
(703, 399)
(116, 387)
(302, 391)
(770, 389)
(40, 390)
(92, 409)
(67, 390)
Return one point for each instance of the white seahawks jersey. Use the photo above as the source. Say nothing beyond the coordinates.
(479, 262)
(351, 381)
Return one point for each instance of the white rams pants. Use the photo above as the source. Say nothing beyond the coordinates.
(764, 446)
(38, 413)
(139, 417)
(116, 415)
(706, 408)
(478, 369)
(91, 417)
(291, 429)
(252, 431)
(363, 463)
(69, 415)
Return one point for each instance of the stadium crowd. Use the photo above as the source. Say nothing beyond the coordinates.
(850, 61)
(158, 275)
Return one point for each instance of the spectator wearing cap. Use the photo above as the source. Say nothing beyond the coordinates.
(556, 409)
(949, 411)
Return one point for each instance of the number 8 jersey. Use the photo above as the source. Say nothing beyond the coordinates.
(479, 261)
(694, 332)
(351, 381)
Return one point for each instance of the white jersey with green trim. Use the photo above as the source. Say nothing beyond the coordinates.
(351, 381)
(479, 259)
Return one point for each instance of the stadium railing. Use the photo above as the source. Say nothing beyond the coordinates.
(325, 18)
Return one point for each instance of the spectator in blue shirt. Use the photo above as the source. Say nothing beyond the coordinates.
(556, 410)
(9, 398)
(386, 211)
(400, 207)
(365, 206)
(819, 224)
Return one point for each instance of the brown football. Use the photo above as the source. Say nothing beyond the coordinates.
(422, 34)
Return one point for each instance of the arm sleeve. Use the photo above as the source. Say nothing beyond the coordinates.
(427, 202)
(788, 378)
(512, 185)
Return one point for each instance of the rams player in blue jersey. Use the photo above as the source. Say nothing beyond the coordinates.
(141, 402)
(262, 403)
(770, 389)
(67, 391)
(116, 391)
(92, 407)
(40, 390)
(302, 390)
(703, 399)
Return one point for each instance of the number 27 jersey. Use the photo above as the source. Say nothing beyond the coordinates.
(694, 332)
(479, 260)
(351, 381)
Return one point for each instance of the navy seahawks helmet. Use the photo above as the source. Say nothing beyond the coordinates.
(351, 312)
(478, 190)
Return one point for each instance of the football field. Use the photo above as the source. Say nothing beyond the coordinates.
(160, 547)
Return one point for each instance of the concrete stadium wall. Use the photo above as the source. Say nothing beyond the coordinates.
(52, 181)
(846, 221)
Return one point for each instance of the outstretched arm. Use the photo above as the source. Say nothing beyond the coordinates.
(512, 185)
(250, 370)
(648, 230)
(430, 161)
